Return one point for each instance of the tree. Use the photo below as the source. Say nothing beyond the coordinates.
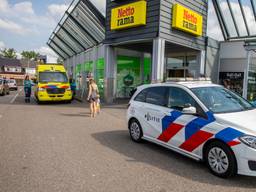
(30, 55)
(8, 53)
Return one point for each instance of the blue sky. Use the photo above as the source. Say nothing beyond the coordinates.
(27, 24)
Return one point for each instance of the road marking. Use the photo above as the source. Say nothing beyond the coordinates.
(15, 97)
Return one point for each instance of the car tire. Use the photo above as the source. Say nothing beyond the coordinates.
(221, 160)
(135, 131)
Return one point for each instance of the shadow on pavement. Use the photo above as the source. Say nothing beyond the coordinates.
(76, 114)
(167, 160)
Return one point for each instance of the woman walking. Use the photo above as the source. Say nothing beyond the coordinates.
(93, 96)
(27, 89)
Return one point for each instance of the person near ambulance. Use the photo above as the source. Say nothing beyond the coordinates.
(27, 89)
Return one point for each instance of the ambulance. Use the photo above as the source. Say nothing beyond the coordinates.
(52, 83)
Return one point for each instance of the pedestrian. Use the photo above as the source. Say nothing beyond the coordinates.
(93, 96)
(98, 105)
(27, 89)
(73, 87)
(226, 83)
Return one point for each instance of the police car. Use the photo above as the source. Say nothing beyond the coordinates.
(200, 120)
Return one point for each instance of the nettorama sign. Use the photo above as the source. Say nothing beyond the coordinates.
(187, 20)
(130, 15)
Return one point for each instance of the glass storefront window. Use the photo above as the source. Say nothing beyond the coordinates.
(175, 66)
(100, 66)
(147, 69)
(128, 75)
(182, 66)
(251, 89)
(192, 67)
(232, 81)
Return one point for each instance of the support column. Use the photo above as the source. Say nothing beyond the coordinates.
(202, 62)
(142, 76)
(246, 74)
(95, 58)
(110, 74)
(158, 60)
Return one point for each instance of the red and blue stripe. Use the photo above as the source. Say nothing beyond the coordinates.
(194, 135)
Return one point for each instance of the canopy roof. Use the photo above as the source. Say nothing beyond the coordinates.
(237, 18)
(81, 28)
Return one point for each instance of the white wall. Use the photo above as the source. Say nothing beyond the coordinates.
(233, 57)
(232, 50)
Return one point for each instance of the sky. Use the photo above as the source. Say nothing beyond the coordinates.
(27, 24)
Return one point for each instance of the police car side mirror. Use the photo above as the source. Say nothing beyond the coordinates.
(189, 110)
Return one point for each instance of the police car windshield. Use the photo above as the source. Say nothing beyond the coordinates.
(57, 77)
(221, 100)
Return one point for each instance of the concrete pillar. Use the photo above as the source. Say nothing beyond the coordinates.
(142, 76)
(95, 58)
(202, 57)
(246, 74)
(110, 74)
(158, 60)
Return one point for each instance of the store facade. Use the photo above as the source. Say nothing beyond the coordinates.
(167, 37)
(144, 42)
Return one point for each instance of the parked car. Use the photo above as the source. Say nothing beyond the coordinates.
(201, 120)
(4, 88)
(12, 84)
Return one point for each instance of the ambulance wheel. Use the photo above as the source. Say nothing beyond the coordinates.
(135, 130)
(221, 160)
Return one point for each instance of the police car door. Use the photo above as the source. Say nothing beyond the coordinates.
(178, 126)
(154, 110)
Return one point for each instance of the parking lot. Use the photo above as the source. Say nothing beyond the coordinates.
(58, 147)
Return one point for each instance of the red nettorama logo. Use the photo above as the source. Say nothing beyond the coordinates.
(129, 11)
(190, 17)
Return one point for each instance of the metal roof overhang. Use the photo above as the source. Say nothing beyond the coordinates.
(237, 18)
(81, 28)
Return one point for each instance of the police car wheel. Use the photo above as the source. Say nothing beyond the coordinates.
(221, 160)
(135, 130)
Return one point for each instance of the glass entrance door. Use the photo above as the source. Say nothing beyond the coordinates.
(183, 66)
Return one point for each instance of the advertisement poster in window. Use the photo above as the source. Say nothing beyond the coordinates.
(232, 81)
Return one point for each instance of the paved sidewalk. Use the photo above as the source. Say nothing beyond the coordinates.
(58, 147)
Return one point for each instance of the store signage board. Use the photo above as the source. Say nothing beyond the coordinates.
(187, 20)
(130, 15)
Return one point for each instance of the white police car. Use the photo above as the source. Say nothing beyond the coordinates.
(201, 120)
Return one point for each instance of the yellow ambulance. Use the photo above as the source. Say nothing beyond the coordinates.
(52, 83)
